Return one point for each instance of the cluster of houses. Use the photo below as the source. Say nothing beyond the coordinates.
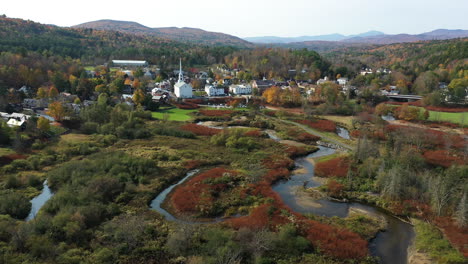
(14, 119)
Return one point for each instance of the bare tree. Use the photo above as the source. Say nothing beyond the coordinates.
(440, 193)
(462, 211)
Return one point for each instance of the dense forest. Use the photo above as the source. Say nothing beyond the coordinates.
(95, 47)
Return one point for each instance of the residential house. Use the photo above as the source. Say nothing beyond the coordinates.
(342, 81)
(322, 81)
(212, 90)
(239, 89)
(262, 85)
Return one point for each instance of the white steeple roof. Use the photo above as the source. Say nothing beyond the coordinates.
(181, 75)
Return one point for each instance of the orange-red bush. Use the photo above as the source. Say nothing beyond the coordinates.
(187, 105)
(278, 162)
(335, 188)
(307, 138)
(321, 124)
(195, 196)
(200, 130)
(253, 133)
(7, 159)
(337, 167)
(355, 133)
(339, 243)
(442, 158)
(192, 164)
(294, 151)
(458, 236)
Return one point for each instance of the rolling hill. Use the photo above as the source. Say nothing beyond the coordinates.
(185, 34)
(371, 37)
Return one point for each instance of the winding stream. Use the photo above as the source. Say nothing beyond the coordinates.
(158, 201)
(391, 246)
(343, 132)
(38, 201)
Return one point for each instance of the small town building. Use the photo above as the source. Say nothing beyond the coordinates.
(212, 90)
(262, 85)
(342, 81)
(129, 63)
(182, 89)
(322, 81)
(240, 89)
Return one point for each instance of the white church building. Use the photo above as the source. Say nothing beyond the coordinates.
(182, 89)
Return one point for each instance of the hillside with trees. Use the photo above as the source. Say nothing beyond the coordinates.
(185, 34)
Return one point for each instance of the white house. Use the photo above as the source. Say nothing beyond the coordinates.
(213, 90)
(366, 71)
(322, 81)
(129, 63)
(240, 89)
(182, 89)
(14, 119)
(342, 81)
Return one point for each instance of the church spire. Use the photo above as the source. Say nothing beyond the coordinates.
(181, 76)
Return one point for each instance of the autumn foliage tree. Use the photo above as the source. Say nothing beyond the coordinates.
(57, 111)
(138, 96)
(53, 92)
(43, 124)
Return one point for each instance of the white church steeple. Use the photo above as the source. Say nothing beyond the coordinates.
(181, 75)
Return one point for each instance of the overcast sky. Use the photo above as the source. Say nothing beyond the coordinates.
(248, 18)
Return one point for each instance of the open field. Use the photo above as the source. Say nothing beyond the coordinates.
(346, 120)
(458, 118)
(175, 114)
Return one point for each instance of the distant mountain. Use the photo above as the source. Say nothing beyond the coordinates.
(439, 34)
(329, 37)
(185, 34)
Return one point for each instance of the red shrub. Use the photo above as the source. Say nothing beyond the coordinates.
(216, 112)
(273, 176)
(458, 236)
(307, 138)
(195, 196)
(294, 151)
(355, 134)
(187, 105)
(278, 162)
(321, 124)
(433, 108)
(339, 243)
(200, 130)
(337, 167)
(253, 133)
(335, 188)
(194, 101)
(442, 158)
(7, 159)
(447, 109)
(192, 164)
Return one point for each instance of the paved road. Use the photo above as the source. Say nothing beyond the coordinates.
(314, 132)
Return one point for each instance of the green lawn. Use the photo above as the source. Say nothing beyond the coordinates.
(459, 118)
(175, 114)
(456, 118)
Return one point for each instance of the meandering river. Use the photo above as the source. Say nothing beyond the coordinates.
(38, 201)
(391, 245)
